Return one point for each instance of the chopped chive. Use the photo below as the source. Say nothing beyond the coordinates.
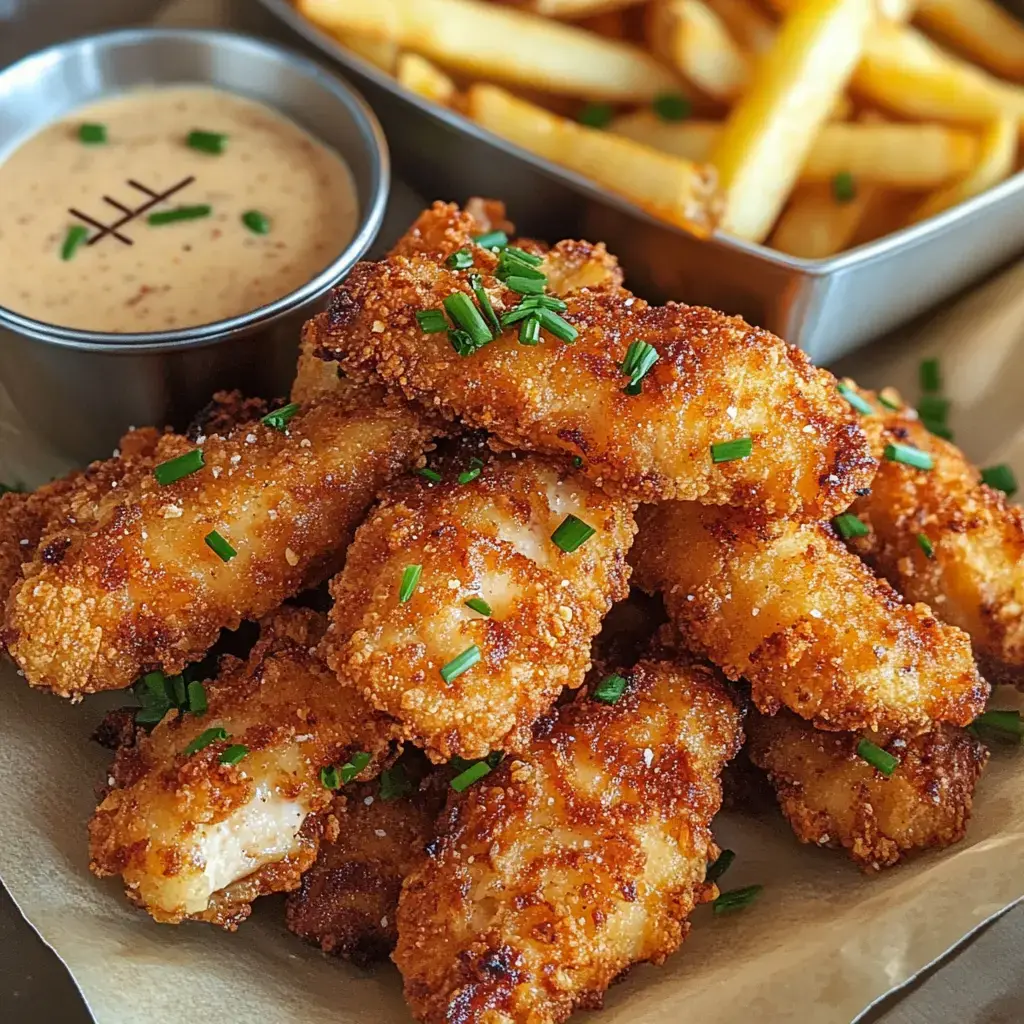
(512, 265)
(571, 533)
(206, 142)
(929, 375)
(478, 604)
(11, 489)
(465, 661)
(492, 240)
(394, 782)
(672, 107)
(205, 738)
(1007, 722)
(521, 312)
(278, 419)
(473, 773)
(596, 115)
(844, 187)
(890, 403)
(1001, 478)
(848, 525)
(467, 316)
(554, 324)
(577, 461)
(176, 469)
(431, 474)
(925, 545)
(879, 759)
(432, 321)
(219, 546)
(461, 260)
(640, 357)
(469, 475)
(177, 684)
(179, 213)
(151, 692)
(484, 302)
(329, 777)
(91, 134)
(152, 715)
(908, 455)
(353, 766)
(197, 702)
(720, 866)
(523, 256)
(526, 285)
(462, 342)
(934, 408)
(610, 689)
(234, 754)
(730, 451)
(551, 302)
(736, 899)
(76, 235)
(258, 223)
(410, 577)
(529, 331)
(937, 428)
(860, 404)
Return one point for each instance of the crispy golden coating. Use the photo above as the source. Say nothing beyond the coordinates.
(716, 379)
(138, 587)
(226, 411)
(490, 538)
(833, 797)
(569, 864)
(786, 606)
(316, 377)
(974, 577)
(195, 838)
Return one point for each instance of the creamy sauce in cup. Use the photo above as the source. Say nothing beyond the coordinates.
(167, 208)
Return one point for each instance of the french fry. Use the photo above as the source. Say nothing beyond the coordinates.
(691, 140)
(573, 9)
(995, 162)
(749, 25)
(689, 35)
(981, 29)
(767, 137)
(381, 53)
(816, 225)
(611, 24)
(425, 79)
(887, 212)
(496, 42)
(676, 190)
(890, 10)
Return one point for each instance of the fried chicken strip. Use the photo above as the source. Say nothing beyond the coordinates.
(489, 539)
(576, 860)
(833, 797)
(716, 379)
(973, 572)
(786, 606)
(194, 837)
(139, 587)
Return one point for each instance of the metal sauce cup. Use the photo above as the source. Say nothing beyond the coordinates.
(82, 389)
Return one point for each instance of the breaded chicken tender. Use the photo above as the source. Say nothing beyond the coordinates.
(200, 833)
(716, 379)
(970, 565)
(833, 797)
(491, 539)
(567, 865)
(139, 586)
(786, 606)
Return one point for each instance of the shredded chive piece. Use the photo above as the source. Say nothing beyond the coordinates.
(219, 546)
(410, 577)
(844, 187)
(510, 264)
(278, 419)
(478, 604)
(465, 661)
(492, 240)
(1007, 722)
(154, 684)
(197, 703)
(720, 866)
(672, 107)
(577, 461)
(484, 302)
(353, 766)
(206, 142)
(176, 469)
(11, 489)
(861, 405)
(473, 773)
(908, 455)
(462, 342)
(258, 223)
(848, 525)
(554, 324)
(526, 285)
(529, 331)
(234, 754)
(177, 684)
(521, 312)
(432, 321)
(1000, 477)
(329, 777)
(461, 260)
(930, 376)
(889, 403)
(394, 782)
(467, 316)
(431, 474)
(469, 475)
(937, 428)
(551, 302)
(571, 534)
(736, 899)
(730, 451)
(925, 545)
(640, 357)
(879, 759)
(523, 256)
(933, 408)
(76, 235)
(205, 738)
(92, 134)
(152, 715)
(596, 115)
(610, 689)
(179, 213)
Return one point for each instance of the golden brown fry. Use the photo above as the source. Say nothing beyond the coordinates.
(982, 29)
(137, 587)
(564, 867)
(748, 23)
(816, 225)
(833, 797)
(196, 838)
(489, 539)
(716, 379)
(786, 606)
(573, 9)
(425, 79)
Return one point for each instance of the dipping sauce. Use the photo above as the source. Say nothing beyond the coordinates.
(167, 208)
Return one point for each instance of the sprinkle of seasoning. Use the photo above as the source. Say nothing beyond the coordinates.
(610, 689)
(862, 405)
(394, 782)
(430, 474)
(1006, 722)
(720, 866)
(410, 577)
(596, 115)
(467, 316)
(848, 525)
(672, 107)
(463, 663)
(908, 455)
(736, 899)
(353, 766)
(478, 604)
(469, 475)
(206, 142)
(1001, 478)
(730, 451)
(879, 759)
(484, 302)
(925, 545)
(179, 213)
(930, 376)
(258, 223)
(640, 357)
(844, 187)
(329, 777)
(529, 331)
(205, 738)
(76, 235)
(197, 702)
(461, 260)
(572, 533)
(234, 754)
(92, 134)
(432, 321)
(176, 469)
(492, 240)
(278, 419)
(219, 546)
(472, 774)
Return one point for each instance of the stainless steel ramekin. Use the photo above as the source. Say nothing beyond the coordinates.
(82, 389)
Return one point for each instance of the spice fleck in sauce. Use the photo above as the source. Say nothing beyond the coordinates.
(257, 220)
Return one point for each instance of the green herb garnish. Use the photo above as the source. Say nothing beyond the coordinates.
(205, 738)
(672, 107)
(463, 663)
(610, 689)
(848, 525)
(460, 260)
(258, 223)
(473, 773)
(410, 577)
(529, 331)
(492, 240)
(329, 777)
(571, 534)
(432, 321)
(860, 404)
(206, 142)
(469, 475)
(234, 754)
(92, 134)
(925, 545)
(394, 782)
(353, 766)
(720, 866)
(596, 115)
(930, 376)
(879, 759)
(462, 311)
(76, 235)
(844, 187)
(1000, 477)
(173, 470)
(730, 451)
(278, 419)
(430, 474)
(219, 546)
(908, 456)
(640, 357)
(179, 213)
(478, 604)
(736, 899)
